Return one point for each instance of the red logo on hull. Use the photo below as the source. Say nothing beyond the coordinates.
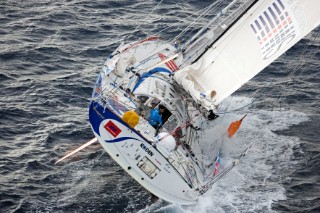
(112, 129)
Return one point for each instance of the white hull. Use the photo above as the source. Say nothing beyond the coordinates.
(129, 149)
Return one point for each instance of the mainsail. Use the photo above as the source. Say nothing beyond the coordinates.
(263, 33)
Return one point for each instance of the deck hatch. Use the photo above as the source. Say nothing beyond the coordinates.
(148, 167)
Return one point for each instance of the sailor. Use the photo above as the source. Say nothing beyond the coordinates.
(155, 119)
(212, 115)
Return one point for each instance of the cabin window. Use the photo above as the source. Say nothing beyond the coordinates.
(143, 98)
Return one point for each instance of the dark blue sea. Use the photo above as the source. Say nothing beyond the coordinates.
(50, 55)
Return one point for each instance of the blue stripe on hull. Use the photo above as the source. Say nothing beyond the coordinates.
(98, 113)
(121, 139)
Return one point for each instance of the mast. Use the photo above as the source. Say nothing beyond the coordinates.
(195, 48)
(226, 30)
(222, 12)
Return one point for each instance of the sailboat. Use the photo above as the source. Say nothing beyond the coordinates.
(184, 84)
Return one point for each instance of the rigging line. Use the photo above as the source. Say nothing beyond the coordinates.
(159, 33)
(210, 24)
(214, 179)
(295, 69)
(252, 96)
(205, 28)
(188, 35)
(222, 140)
(205, 12)
(115, 105)
(235, 110)
(176, 38)
(192, 23)
(202, 169)
(183, 125)
(227, 29)
(141, 22)
(168, 27)
(180, 21)
(205, 47)
(291, 76)
(116, 88)
(298, 66)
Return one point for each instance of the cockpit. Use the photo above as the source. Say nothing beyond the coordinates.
(156, 92)
(147, 104)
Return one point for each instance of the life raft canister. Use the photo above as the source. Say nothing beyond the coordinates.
(131, 118)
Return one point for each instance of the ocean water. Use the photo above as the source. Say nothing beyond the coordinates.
(50, 53)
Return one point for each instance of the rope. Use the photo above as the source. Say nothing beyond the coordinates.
(145, 19)
(207, 9)
(299, 65)
(205, 12)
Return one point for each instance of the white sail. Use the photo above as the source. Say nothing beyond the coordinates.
(267, 30)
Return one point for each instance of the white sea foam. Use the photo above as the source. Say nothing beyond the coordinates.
(254, 184)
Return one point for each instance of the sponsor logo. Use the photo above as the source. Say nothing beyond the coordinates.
(274, 28)
(145, 148)
(112, 129)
